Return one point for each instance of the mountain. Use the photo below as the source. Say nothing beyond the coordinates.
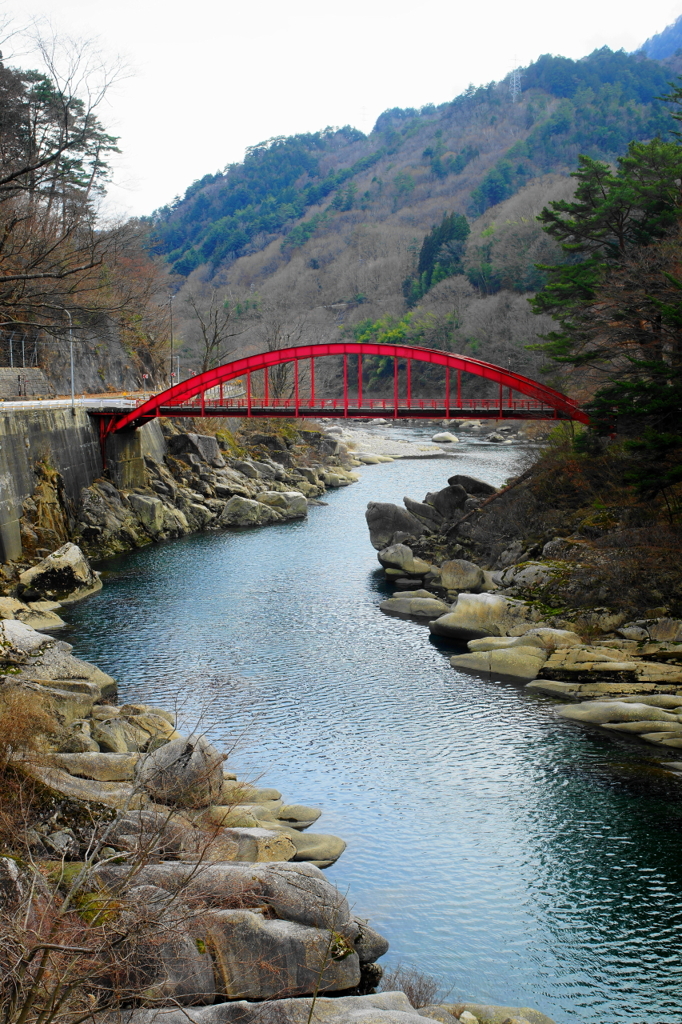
(336, 232)
(665, 43)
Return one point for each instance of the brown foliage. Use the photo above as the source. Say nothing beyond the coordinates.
(421, 989)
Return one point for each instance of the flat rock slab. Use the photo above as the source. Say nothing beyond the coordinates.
(513, 662)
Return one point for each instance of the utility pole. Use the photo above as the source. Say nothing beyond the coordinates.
(515, 84)
(73, 390)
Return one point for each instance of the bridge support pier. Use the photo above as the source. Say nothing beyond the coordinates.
(125, 459)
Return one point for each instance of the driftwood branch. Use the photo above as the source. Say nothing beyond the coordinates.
(493, 497)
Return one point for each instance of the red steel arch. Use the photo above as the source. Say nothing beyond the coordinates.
(188, 398)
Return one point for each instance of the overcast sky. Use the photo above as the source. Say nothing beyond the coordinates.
(211, 77)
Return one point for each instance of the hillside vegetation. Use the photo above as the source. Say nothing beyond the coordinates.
(335, 232)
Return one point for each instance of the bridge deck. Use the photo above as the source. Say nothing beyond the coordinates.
(384, 408)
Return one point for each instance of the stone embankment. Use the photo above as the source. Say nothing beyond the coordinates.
(630, 672)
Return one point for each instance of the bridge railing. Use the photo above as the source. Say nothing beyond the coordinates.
(213, 400)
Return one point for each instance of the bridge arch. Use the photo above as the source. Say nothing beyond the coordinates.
(204, 394)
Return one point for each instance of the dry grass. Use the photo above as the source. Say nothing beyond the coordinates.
(26, 721)
(421, 989)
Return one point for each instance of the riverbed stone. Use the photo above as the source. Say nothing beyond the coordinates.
(488, 1014)
(515, 662)
(324, 850)
(479, 615)
(448, 502)
(471, 484)
(389, 524)
(184, 772)
(400, 556)
(459, 574)
(120, 795)
(240, 511)
(600, 712)
(119, 735)
(415, 607)
(165, 960)
(426, 514)
(65, 576)
(292, 504)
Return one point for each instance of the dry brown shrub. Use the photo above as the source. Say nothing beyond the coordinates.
(25, 721)
(421, 989)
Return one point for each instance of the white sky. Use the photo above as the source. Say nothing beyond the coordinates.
(211, 77)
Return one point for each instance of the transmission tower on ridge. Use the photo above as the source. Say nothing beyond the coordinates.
(515, 84)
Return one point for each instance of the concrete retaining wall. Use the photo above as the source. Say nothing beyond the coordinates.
(69, 443)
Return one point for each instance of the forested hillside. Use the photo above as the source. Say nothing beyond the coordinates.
(336, 232)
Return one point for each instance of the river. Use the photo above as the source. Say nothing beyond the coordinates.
(507, 852)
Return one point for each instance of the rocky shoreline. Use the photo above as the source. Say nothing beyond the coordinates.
(629, 671)
(210, 888)
(184, 885)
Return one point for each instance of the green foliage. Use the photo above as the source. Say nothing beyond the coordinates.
(611, 215)
(608, 99)
(619, 309)
(278, 180)
(443, 163)
(440, 256)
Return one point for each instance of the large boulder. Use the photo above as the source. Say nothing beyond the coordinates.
(614, 711)
(448, 501)
(390, 524)
(292, 504)
(99, 767)
(486, 1014)
(416, 607)
(458, 574)
(42, 661)
(260, 958)
(201, 446)
(240, 511)
(514, 662)
(184, 772)
(63, 576)
(480, 615)
(471, 485)
(293, 891)
(150, 511)
(162, 958)
(400, 557)
(426, 514)
(528, 574)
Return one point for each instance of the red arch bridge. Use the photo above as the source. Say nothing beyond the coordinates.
(214, 393)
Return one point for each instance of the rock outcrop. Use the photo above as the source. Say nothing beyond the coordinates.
(64, 576)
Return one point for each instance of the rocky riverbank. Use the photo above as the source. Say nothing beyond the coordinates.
(156, 880)
(630, 671)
